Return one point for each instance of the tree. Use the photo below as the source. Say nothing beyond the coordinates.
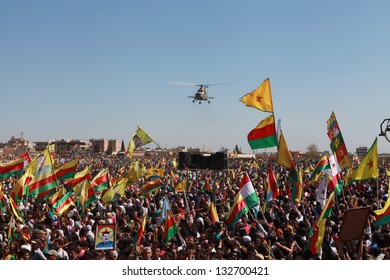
(123, 146)
(96, 149)
(312, 151)
(109, 150)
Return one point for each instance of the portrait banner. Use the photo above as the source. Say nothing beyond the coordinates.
(105, 237)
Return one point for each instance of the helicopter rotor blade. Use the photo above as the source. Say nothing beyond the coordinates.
(182, 83)
(197, 85)
(218, 84)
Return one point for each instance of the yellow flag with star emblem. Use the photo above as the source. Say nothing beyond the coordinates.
(368, 168)
(260, 98)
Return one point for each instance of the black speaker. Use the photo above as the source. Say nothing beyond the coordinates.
(219, 161)
(184, 160)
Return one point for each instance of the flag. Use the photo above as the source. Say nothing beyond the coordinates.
(119, 189)
(335, 182)
(172, 179)
(67, 171)
(273, 188)
(78, 178)
(260, 98)
(64, 203)
(165, 209)
(264, 134)
(154, 173)
(3, 202)
(278, 129)
(337, 144)
(138, 236)
(12, 169)
(19, 189)
(41, 163)
(139, 139)
(284, 157)
(315, 242)
(295, 178)
(174, 163)
(181, 186)
(131, 174)
(213, 213)
(27, 159)
(170, 228)
(151, 186)
(322, 164)
(321, 191)
(309, 169)
(75, 149)
(84, 193)
(101, 181)
(15, 210)
(383, 215)
(244, 201)
(12, 234)
(207, 186)
(42, 183)
(57, 196)
(368, 168)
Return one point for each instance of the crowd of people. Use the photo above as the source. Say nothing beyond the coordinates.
(280, 230)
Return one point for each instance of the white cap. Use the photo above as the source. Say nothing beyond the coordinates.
(247, 238)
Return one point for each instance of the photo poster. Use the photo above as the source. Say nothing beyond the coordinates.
(105, 237)
(354, 222)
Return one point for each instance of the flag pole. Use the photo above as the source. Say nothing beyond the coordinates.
(377, 191)
(28, 191)
(185, 194)
(155, 143)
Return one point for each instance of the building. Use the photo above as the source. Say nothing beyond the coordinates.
(17, 146)
(361, 152)
(111, 146)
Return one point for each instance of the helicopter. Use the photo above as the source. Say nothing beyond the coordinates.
(201, 94)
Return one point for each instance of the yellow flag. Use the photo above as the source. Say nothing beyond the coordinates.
(57, 195)
(284, 156)
(309, 169)
(41, 163)
(368, 168)
(131, 175)
(139, 139)
(181, 186)
(108, 196)
(174, 163)
(121, 187)
(300, 189)
(154, 173)
(260, 98)
(81, 191)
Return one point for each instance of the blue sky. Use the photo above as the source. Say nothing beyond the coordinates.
(97, 69)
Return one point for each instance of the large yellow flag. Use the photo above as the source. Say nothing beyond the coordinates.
(118, 189)
(41, 163)
(260, 98)
(368, 168)
(284, 156)
(181, 186)
(131, 175)
(139, 139)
